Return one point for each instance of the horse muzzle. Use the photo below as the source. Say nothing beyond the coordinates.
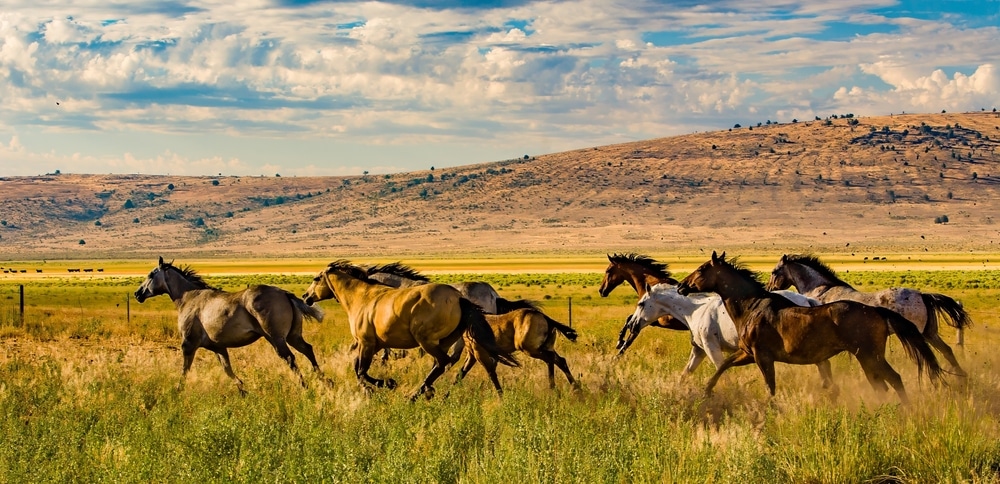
(684, 289)
(140, 296)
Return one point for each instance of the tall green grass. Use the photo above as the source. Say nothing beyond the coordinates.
(87, 396)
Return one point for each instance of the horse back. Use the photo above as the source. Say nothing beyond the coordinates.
(428, 312)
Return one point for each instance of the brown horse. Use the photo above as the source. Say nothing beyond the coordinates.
(640, 272)
(216, 320)
(530, 331)
(771, 328)
(396, 274)
(817, 280)
(429, 316)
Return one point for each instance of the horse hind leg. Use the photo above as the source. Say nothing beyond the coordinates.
(281, 347)
(441, 363)
(826, 376)
(223, 355)
(934, 339)
(879, 373)
(553, 359)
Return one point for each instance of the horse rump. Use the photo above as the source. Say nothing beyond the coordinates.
(478, 329)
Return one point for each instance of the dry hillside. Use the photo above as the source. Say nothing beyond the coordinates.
(837, 184)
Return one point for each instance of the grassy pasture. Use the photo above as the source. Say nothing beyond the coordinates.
(88, 395)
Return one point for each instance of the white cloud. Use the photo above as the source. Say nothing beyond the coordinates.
(383, 74)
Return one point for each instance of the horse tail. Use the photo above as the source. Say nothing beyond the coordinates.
(952, 310)
(505, 306)
(914, 344)
(566, 331)
(311, 312)
(479, 330)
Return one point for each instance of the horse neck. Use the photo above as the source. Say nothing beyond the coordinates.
(807, 279)
(347, 288)
(680, 307)
(735, 286)
(177, 285)
(639, 278)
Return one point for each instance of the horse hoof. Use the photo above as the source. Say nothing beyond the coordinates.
(389, 383)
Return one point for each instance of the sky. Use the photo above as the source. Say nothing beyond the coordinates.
(331, 87)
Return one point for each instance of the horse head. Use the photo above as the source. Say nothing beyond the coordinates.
(704, 278)
(780, 276)
(155, 283)
(614, 275)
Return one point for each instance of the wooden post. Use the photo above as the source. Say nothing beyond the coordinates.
(570, 311)
(21, 290)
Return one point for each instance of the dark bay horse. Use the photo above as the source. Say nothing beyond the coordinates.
(531, 331)
(771, 328)
(430, 316)
(815, 279)
(217, 320)
(640, 272)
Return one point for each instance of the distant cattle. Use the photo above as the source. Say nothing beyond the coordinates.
(88, 270)
(72, 270)
(38, 271)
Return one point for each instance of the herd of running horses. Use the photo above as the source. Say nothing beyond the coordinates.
(734, 319)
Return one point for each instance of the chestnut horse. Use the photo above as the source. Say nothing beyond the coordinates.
(531, 331)
(817, 280)
(430, 316)
(216, 320)
(640, 272)
(771, 328)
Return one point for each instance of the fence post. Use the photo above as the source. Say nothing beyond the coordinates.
(570, 311)
(21, 313)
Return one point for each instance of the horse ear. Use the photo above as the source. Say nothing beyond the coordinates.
(161, 260)
(723, 256)
(609, 258)
(784, 257)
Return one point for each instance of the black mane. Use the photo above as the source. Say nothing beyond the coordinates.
(399, 270)
(658, 268)
(190, 274)
(814, 263)
(745, 272)
(351, 269)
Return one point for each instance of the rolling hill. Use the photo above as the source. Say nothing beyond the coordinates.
(901, 183)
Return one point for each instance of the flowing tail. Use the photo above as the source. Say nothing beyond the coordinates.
(953, 312)
(505, 306)
(914, 344)
(479, 330)
(568, 332)
(311, 312)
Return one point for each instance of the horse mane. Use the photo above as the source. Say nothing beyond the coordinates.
(659, 268)
(815, 264)
(745, 272)
(190, 274)
(398, 269)
(351, 269)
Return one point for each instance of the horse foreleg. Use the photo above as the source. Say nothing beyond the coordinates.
(364, 362)
(766, 365)
(739, 358)
(223, 355)
(697, 355)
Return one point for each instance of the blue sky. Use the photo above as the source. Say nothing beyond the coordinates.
(314, 87)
